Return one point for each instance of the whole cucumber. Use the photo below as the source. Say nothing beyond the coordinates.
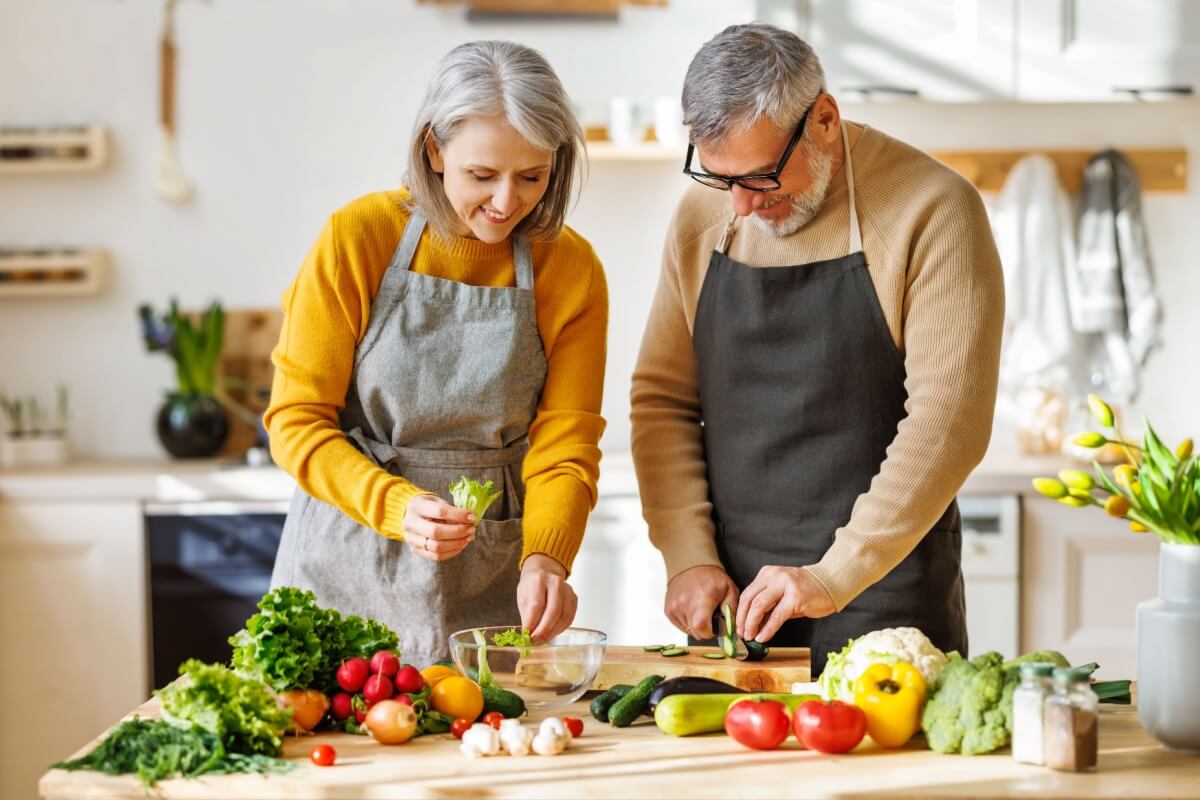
(692, 714)
(633, 705)
(604, 701)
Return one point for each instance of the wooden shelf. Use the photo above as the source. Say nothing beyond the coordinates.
(1163, 170)
(52, 273)
(34, 151)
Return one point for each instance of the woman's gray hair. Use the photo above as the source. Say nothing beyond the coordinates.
(493, 78)
(747, 72)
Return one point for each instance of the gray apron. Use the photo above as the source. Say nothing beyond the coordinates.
(446, 383)
(801, 392)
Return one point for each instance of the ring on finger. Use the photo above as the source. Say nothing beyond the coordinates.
(425, 545)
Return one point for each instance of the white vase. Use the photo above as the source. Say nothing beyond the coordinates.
(32, 451)
(1168, 650)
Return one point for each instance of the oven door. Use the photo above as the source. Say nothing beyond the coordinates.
(209, 565)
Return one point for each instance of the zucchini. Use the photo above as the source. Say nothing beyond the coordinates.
(692, 714)
(605, 700)
(689, 684)
(633, 705)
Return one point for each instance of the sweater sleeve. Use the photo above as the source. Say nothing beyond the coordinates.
(668, 451)
(325, 316)
(953, 315)
(563, 463)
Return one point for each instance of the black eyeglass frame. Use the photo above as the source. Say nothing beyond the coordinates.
(703, 178)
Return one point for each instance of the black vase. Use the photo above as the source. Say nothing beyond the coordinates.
(192, 426)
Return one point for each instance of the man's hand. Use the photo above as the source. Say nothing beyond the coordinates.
(436, 530)
(777, 595)
(546, 601)
(694, 594)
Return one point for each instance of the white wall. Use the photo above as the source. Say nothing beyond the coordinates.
(289, 108)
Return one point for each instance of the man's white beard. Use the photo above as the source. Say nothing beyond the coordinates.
(804, 206)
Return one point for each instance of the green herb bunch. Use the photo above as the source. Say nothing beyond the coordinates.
(195, 348)
(1157, 489)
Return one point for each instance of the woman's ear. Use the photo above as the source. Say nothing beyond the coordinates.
(435, 155)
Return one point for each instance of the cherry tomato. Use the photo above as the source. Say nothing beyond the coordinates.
(322, 755)
(459, 727)
(760, 724)
(834, 727)
(493, 718)
(574, 725)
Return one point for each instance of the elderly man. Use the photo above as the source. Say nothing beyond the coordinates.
(818, 372)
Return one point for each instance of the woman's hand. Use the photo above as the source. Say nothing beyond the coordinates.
(546, 601)
(436, 530)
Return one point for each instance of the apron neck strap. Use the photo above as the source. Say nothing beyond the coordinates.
(855, 231)
(402, 258)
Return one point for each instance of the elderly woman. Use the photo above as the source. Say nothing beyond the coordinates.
(454, 327)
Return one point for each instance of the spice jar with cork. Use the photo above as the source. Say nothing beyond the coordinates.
(1071, 722)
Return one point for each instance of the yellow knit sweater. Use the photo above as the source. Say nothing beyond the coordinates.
(326, 311)
(936, 273)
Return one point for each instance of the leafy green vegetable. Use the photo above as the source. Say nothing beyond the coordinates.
(484, 676)
(287, 643)
(970, 706)
(511, 638)
(156, 750)
(472, 495)
(241, 711)
(292, 643)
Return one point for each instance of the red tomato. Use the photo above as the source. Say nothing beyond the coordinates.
(761, 724)
(834, 727)
(574, 725)
(460, 726)
(322, 755)
(493, 718)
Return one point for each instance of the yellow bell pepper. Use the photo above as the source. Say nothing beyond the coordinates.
(892, 696)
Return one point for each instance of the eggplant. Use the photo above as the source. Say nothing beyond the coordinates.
(690, 684)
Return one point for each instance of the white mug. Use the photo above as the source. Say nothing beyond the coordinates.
(625, 123)
(668, 122)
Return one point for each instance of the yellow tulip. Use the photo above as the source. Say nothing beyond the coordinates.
(1137, 527)
(1071, 500)
(1185, 450)
(1077, 479)
(1089, 439)
(1125, 475)
(1116, 506)
(1080, 494)
(1100, 410)
(1050, 487)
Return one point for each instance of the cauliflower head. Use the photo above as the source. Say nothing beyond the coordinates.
(887, 646)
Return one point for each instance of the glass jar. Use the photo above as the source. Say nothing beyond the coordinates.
(1071, 722)
(1028, 706)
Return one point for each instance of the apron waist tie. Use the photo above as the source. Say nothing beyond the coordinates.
(386, 455)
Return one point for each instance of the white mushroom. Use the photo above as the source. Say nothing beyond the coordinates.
(515, 737)
(558, 728)
(553, 737)
(480, 740)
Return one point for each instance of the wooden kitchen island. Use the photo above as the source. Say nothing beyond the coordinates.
(642, 762)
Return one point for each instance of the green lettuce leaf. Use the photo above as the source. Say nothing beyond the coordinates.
(291, 643)
(241, 711)
(472, 495)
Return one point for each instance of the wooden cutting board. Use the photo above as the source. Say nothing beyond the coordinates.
(781, 668)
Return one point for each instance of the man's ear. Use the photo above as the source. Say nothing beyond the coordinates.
(435, 155)
(826, 115)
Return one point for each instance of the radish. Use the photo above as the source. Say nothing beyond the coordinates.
(403, 698)
(385, 662)
(377, 688)
(352, 674)
(341, 706)
(409, 679)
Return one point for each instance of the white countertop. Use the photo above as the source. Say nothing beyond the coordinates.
(168, 481)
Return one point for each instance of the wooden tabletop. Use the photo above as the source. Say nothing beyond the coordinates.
(642, 762)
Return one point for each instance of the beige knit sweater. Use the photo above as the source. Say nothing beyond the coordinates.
(937, 275)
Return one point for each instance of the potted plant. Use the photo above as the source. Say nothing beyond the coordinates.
(34, 437)
(1158, 491)
(191, 423)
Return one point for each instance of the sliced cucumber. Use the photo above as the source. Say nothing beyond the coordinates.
(714, 656)
(655, 648)
(675, 651)
(729, 640)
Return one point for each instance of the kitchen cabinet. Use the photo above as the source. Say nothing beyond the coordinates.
(955, 50)
(1085, 49)
(72, 617)
(1083, 574)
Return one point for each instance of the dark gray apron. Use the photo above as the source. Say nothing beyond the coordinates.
(801, 392)
(446, 383)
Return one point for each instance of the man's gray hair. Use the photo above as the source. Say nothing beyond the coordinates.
(745, 73)
(493, 78)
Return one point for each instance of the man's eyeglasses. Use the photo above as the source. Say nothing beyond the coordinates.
(755, 183)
